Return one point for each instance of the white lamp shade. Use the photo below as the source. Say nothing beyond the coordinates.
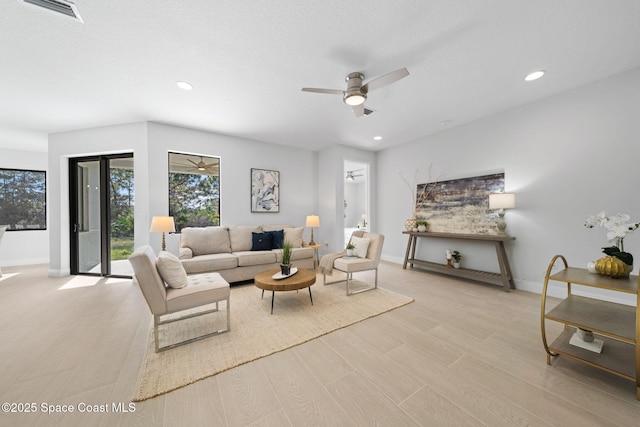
(502, 201)
(313, 221)
(163, 224)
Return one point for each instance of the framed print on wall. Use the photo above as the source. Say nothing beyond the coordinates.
(265, 190)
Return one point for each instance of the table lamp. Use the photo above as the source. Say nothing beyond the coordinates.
(502, 201)
(163, 224)
(313, 221)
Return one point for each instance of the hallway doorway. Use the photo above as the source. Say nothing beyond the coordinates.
(356, 198)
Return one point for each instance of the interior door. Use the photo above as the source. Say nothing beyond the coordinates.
(102, 204)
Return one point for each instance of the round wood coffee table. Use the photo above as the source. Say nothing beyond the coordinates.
(302, 279)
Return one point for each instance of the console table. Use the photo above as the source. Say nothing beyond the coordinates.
(504, 278)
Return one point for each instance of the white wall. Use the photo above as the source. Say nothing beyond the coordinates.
(126, 138)
(331, 193)
(150, 143)
(565, 157)
(297, 167)
(32, 246)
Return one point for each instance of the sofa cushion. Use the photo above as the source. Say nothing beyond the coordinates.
(171, 270)
(296, 254)
(212, 262)
(278, 238)
(294, 235)
(261, 241)
(240, 236)
(248, 258)
(206, 240)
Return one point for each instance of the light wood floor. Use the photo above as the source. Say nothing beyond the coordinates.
(462, 354)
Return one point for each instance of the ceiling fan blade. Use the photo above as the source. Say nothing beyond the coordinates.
(329, 91)
(385, 80)
(358, 110)
(191, 161)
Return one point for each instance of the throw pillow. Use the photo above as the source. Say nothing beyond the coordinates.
(261, 241)
(278, 238)
(171, 270)
(361, 244)
(294, 235)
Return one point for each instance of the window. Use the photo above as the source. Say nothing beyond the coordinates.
(23, 199)
(194, 190)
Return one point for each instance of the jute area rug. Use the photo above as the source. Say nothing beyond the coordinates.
(255, 333)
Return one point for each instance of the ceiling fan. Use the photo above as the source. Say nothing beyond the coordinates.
(351, 177)
(204, 167)
(356, 92)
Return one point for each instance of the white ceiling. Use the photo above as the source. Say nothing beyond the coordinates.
(248, 61)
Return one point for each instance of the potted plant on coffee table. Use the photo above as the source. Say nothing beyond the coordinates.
(285, 265)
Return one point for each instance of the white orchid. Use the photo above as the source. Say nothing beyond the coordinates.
(617, 225)
(596, 220)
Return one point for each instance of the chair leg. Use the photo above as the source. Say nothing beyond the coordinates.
(348, 281)
(157, 322)
(370, 288)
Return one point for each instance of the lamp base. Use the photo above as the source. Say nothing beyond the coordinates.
(311, 242)
(501, 224)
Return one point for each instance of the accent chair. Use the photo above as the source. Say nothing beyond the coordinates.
(368, 251)
(169, 290)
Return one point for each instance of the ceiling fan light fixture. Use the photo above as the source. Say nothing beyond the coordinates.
(354, 99)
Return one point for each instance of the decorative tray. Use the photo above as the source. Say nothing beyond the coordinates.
(280, 276)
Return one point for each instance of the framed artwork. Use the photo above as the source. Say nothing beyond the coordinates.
(460, 205)
(265, 190)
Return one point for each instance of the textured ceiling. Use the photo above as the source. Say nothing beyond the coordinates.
(248, 61)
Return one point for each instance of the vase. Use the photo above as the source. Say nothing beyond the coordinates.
(410, 224)
(612, 267)
(285, 269)
(422, 228)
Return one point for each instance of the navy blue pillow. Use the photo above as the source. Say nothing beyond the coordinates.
(278, 238)
(261, 241)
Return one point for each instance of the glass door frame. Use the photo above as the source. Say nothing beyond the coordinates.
(104, 211)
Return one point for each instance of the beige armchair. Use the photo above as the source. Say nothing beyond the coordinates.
(367, 259)
(200, 290)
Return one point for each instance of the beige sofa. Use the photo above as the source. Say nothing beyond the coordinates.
(233, 251)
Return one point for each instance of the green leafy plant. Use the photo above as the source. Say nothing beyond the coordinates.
(287, 249)
(614, 251)
(351, 246)
(421, 222)
(456, 255)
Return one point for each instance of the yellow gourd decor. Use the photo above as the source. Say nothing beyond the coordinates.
(612, 267)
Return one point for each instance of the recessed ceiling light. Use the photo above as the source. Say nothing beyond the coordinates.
(377, 138)
(535, 75)
(184, 85)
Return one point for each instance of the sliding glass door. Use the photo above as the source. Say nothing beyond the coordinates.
(102, 205)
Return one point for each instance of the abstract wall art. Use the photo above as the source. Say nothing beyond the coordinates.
(460, 205)
(265, 190)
